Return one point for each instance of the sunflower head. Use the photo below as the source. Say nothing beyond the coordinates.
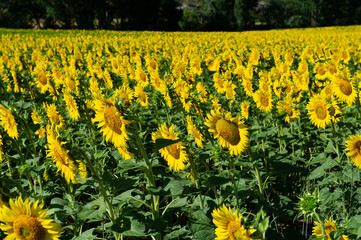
(353, 149)
(231, 133)
(28, 220)
(308, 203)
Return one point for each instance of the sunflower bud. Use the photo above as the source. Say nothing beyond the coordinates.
(308, 203)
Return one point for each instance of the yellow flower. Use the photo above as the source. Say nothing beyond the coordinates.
(330, 226)
(28, 220)
(353, 149)
(82, 169)
(344, 89)
(142, 96)
(54, 116)
(288, 107)
(71, 105)
(318, 110)
(192, 130)
(263, 101)
(245, 109)
(231, 133)
(7, 120)
(229, 225)
(35, 117)
(1, 149)
(60, 156)
(112, 124)
(174, 154)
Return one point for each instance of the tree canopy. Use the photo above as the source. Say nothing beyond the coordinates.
(175, 15)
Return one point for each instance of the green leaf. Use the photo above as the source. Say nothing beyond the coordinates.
(175, 187)
(336, 235)
(87, 235)
(176, 234)
(180, 202)
(354, 222)
(161, 143)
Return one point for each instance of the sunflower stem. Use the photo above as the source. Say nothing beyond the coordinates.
(22, 160)
(149, 174)
(340, 166)
(101, 189)
(322, 225)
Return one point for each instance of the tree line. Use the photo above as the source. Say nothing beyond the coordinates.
(178, 15)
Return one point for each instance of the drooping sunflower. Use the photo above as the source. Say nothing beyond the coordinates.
(335, 111)
(192, 130)
(245, 109)
(60, 156)
(263, 101)
(42, 77)
(229, 225)
(353, 149)
(28, 220)
(318, 110)
(71, 105)
(344, 89)
(111, 123)
(54, 116)
(142, 96)
(7, 120)
(231, 133)
(330, 226)
(175, 154)
(289, 107)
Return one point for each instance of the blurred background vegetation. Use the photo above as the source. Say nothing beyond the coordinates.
(178, 15)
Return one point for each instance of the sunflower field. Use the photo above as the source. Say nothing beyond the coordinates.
(180, 135)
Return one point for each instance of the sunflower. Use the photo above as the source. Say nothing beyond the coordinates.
(229, 225)
(71, 105)
(287, 106)
(192, 130)
(344, 89)
(125, 93)
(112, 124)
(231, 133)
(82, 169)
(263, 101)
(245, 109)
(60, 156)
(142, 96)
(330, 226)
(248, 86)
(1, 149)
(318, 110)
(35, 117)
(7, 120)
(353, 149)
(28, 220)
(54, 116)
(42, 76)
(335, 111)
(174, 154)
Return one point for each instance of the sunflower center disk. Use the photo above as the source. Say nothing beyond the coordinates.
(228, 131)
(320, 111)
(345, 87)
(112, 120)
(174, 151)
(264, 101)
(332, 110)
(42, 78)
(232, 228)
(28, 228)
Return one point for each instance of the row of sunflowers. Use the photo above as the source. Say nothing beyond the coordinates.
(159, 135)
